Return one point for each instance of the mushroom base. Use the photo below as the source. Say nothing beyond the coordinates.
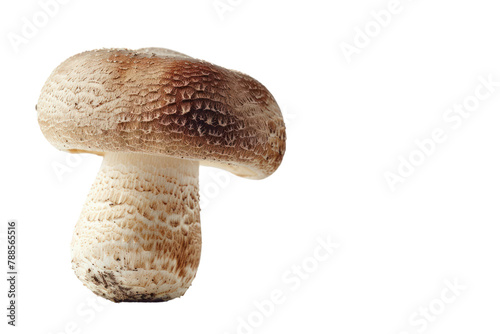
(138, 238)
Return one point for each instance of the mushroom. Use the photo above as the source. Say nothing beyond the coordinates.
(154, 115)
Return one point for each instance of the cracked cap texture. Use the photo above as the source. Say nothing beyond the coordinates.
(161, 102)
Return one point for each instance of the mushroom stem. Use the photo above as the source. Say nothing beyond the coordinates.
(139, 235)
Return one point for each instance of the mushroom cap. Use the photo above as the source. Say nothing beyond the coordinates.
(162, 102)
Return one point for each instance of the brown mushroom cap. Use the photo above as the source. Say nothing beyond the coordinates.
(161, 102)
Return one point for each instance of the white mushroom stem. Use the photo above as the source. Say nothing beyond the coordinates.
(139, 237)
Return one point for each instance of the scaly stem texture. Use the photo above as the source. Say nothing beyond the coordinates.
(139, 236)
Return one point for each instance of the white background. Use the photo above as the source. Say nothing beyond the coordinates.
(347, 125)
